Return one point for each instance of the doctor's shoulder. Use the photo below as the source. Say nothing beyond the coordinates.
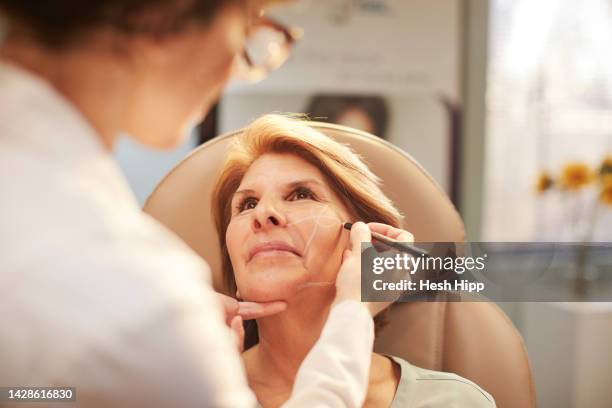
(420, 388)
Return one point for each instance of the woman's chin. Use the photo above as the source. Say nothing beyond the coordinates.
(270, 289)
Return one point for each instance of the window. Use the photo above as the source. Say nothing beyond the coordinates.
(549, 102)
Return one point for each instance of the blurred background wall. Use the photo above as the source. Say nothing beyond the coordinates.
(405, 56)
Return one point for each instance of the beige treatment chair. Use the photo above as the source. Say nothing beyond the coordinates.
(473, 339)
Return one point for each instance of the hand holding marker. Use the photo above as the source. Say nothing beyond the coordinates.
(386, 241)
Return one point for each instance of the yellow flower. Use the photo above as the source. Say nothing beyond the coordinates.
(575, 176)
(606, 189)
(606, 166)
(544, 182)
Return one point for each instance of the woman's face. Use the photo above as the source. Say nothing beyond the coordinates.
(285, 234)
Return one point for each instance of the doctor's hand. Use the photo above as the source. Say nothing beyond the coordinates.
(348, 281)
(236, 312)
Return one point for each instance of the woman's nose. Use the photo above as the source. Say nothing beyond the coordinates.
(267, 214)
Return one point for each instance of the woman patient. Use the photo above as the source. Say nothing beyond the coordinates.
(279, 205)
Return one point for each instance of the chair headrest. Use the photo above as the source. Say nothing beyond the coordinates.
(182, 200)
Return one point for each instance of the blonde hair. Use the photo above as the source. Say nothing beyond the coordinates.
(347, 174)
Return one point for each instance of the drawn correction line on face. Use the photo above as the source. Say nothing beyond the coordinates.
(332, 221)
(320, 221)
(315, 229)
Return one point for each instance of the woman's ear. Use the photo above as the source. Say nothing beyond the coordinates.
(238, 295)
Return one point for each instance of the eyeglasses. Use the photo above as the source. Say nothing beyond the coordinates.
(267, 47)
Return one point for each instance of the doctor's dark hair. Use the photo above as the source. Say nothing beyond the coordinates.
(58, 23)
(349, 177)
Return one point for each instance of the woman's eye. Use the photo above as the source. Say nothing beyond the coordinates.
(247, 204)
(303, 194)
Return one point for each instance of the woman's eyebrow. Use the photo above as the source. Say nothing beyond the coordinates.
(238, 195)
(305, 182)
(288, 186)
(243, 192)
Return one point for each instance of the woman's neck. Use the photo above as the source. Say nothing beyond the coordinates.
(90, 79)
(285, 339)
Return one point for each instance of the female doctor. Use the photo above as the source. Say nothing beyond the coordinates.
(95, 294)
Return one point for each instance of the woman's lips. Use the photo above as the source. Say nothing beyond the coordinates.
(272, 247)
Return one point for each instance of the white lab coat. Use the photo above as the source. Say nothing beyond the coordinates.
(95, 294)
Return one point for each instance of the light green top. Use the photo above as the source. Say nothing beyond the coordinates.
(420, 388)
